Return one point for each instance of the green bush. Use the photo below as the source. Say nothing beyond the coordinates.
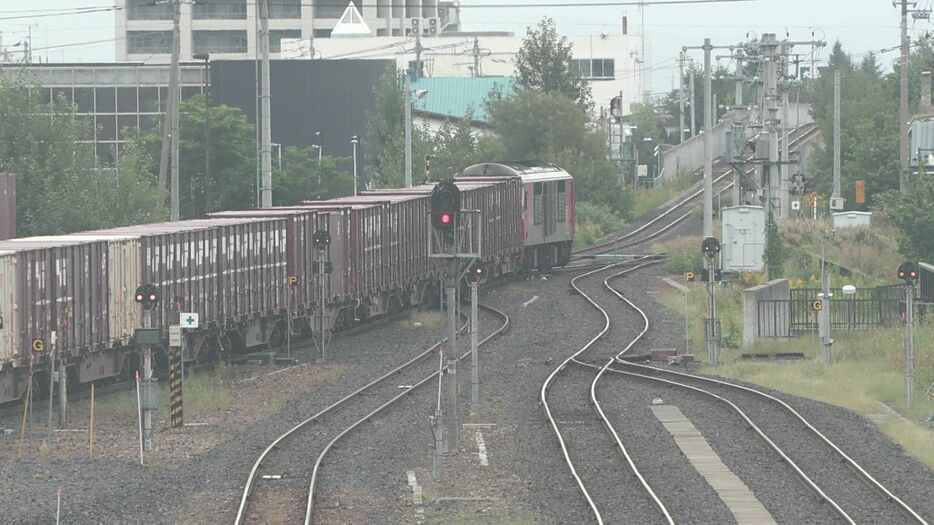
(594, 222)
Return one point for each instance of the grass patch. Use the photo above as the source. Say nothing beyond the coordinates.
(867, 372)
(644, 200)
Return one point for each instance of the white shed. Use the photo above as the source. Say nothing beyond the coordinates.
(849, 219)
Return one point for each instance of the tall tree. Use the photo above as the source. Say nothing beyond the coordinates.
(301, 177)
(543, 63)
(231, 184)
(552, 127)
(48, 148)
(912, 213)
(870, 66)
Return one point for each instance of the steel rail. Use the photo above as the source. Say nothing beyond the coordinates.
(251, 479)
(804, 477)
(618, 358)
(599, 409)
(856, 467)
(309, 506)
(543, 395)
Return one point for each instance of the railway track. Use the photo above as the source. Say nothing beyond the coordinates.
(288, 457)
(682, 209)
(848, 491)
(853, 494)
(563, 394)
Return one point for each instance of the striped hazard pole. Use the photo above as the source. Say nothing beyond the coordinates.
(175, 387)
(175, 377)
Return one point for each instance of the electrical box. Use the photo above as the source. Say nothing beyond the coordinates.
(836, 203)
(743, 245)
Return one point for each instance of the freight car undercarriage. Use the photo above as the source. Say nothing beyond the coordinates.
(215, 343)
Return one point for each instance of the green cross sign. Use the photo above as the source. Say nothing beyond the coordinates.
(188, 319)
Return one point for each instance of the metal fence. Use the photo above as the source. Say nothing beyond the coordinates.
(868, 308)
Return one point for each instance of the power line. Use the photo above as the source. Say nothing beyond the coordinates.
(42, 13)
(84, 11)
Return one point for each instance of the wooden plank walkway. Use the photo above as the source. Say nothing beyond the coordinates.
(744, 505)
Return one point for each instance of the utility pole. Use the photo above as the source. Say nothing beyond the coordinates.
(407, 97)
(474, 347)
(785, 167)
(266, 147)
(168, 124)
(903, 101)
(147, 377)
(476, 57)
(693, 99)
(53, 355)
(910, 343)
(680, 96)
(62, 391)
(708, 144)
(450, 289)
(836, 136)
(738, 96)
(823, 316)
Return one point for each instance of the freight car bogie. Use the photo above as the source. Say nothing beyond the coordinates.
(544, 257)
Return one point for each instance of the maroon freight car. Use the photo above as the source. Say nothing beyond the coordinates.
(62, 289)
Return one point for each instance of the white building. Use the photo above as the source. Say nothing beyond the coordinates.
(609, 62)
(228, 28)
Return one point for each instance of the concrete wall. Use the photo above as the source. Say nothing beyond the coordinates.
(689, 155)
(774, 323)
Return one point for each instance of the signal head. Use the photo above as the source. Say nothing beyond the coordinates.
(475, 274)
(710, 246)
(908, 272)
(147, 295)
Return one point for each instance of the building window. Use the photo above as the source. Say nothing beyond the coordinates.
(140, 42)
(597, 68)
(219, 41)
(219, 10)
(145, 10)
(333, 8)
(276, 36)
(285, 9)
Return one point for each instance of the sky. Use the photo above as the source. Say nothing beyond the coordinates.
(861, 25)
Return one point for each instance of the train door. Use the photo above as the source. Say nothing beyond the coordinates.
(551, 207)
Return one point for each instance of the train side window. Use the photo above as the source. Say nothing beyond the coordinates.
(538, 208)
(562, 202)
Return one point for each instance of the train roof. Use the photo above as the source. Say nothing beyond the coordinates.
(521, 168)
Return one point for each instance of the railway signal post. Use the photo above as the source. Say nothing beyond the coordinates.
(908, 272)
(321, 268)
(452, 239)
(711, 249)
(148, 297)
(474, 275)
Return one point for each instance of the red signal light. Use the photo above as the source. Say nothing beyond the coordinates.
(445, 218)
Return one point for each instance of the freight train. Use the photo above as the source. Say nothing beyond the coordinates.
(246, 272)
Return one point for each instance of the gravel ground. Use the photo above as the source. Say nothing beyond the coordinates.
(197, 474)
(905, 476)
(185, 480)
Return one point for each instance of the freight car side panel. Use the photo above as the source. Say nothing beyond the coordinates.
(10, 333)
(123, 278)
